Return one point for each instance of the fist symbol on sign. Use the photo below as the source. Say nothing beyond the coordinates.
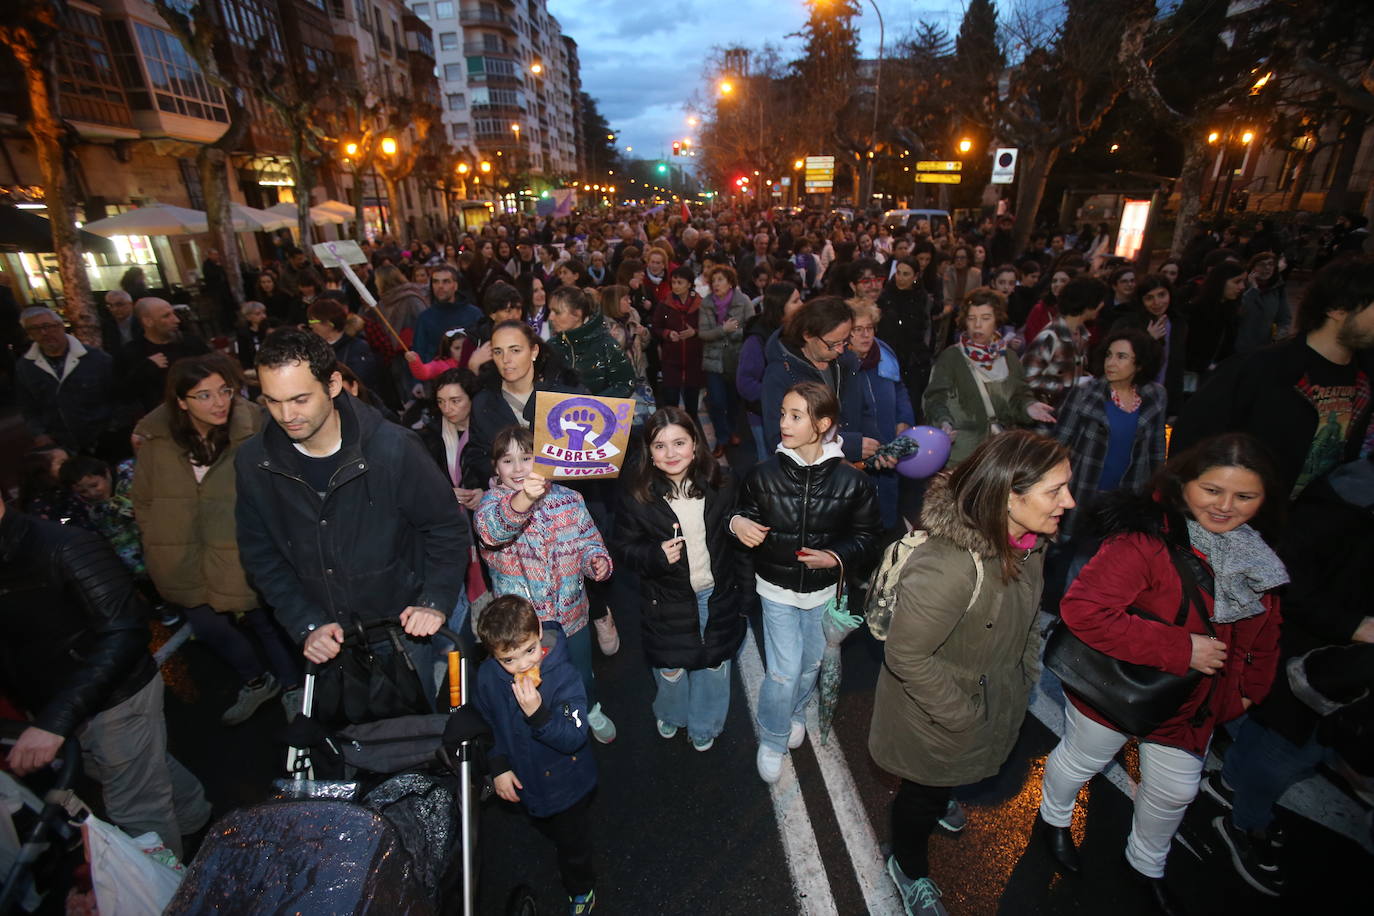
(577, 424)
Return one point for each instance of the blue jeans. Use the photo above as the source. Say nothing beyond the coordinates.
(1259, 768)
(696, 699)
(580, 654)
(720, 399)
(793, 643)
(756, 431)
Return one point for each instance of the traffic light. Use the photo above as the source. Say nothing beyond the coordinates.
(663, 168)
(677, 148)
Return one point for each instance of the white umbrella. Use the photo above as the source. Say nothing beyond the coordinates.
(250, 219)
(318, 215)
(154, 219)
(339, 207)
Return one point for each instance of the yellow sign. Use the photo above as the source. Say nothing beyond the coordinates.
(939, 165)
(578, 435)
(938, 178)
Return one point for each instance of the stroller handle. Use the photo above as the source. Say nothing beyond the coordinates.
(361, 631)
(11, 729)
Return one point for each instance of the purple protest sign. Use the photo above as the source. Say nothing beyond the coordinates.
(580, 435)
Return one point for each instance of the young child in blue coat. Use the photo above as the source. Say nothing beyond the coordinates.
(532, 697)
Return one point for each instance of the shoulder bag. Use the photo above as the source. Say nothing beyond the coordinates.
(1136, 698)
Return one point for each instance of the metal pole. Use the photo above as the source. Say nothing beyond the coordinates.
(877, 94)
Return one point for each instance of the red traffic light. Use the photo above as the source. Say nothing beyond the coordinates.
(677, 148)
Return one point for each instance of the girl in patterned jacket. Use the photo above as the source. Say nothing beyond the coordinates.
(539, 541)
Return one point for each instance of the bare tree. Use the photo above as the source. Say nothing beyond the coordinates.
(298, 99)
(31, 33)
(1064, 78)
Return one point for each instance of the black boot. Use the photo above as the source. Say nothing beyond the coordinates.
(1165, 902)
(1060, 844)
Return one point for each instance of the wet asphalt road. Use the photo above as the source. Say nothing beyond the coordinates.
(681, 832)
(678, 831)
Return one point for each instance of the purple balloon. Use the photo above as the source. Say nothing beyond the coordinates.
(931, 458)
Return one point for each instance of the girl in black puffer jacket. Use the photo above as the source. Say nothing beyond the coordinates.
(671, 529)
(804, 513)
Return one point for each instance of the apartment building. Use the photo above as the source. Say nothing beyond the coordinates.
(509, 82)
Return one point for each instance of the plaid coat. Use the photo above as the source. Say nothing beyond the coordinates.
(1083, 429)
(1054, 362)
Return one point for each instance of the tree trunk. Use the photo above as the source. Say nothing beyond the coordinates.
(1190, 180)
(38, 61)
(1035, 166)
(355, 196)
(305, 183)
(213, 164)
(1339, 193)
(395, 222)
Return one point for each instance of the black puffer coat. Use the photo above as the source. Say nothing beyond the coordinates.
(73, 628)
(826, 506)
(672, 633)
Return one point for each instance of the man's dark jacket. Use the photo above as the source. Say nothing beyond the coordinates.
(386, 536)
(73, 628)
(75, 410)
(1257, 393)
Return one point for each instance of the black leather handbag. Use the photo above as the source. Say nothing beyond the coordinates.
(1137, 699)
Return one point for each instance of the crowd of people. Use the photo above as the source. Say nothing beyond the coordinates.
(332, 463)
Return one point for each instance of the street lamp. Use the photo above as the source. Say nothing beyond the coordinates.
(485, 166)
(726, 87)
(1247, 137)
(536, 68)
(350, 150)
(965, 145)
(462, 168)
(389, 146)
(798, 165)
(1213, 137)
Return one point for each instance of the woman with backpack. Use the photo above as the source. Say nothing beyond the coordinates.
(962, 650)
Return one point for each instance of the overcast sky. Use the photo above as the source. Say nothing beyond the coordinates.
(643, 63)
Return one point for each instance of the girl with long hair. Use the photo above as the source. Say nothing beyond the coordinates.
(671, 529)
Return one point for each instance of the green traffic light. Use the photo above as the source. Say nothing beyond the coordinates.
(662, 168)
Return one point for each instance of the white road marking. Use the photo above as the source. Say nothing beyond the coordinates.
(880, 894)
(798, 836)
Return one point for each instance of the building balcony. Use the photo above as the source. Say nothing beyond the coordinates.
(489, 18)
(497, 110)
(495, 79)
(479, 48)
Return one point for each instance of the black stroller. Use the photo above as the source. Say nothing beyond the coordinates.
(375, 816)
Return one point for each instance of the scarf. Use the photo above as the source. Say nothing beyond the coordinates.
(981, 355)
(1243, 566)
(870, 359)
(723, 305)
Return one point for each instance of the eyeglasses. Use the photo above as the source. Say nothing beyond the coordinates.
(861, 329)
(205, 397)
(836, 346)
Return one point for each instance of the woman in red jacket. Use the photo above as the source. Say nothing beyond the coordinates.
(1211, 501)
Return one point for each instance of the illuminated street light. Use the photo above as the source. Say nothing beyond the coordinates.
(798, 164)
(389, 146)
(586, 187)
(485, 166)
(629, 149)
(1213, 137)
(965, 145)
(691, 122)
(516, 128)
(350, 149)
(1114, 147)
(1247, 137)
(610, 136)
(536, 68)
(462, 168)
(726, 87)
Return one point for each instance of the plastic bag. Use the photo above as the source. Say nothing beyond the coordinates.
(132, 876)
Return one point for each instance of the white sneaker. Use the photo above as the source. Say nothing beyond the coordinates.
(603, 729)
(607, 637)
(769, 763)
(797, 735)
(250, 697)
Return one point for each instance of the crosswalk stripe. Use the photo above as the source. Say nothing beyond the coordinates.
(880, 894)
(798, 836)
